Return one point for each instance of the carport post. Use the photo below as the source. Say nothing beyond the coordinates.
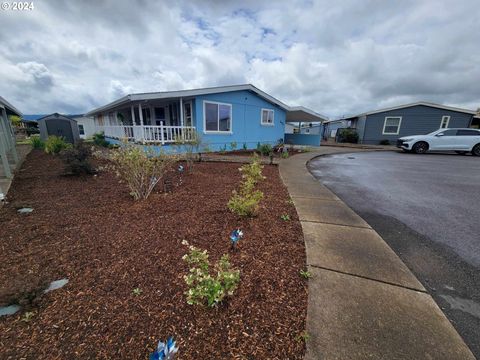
(3, 154)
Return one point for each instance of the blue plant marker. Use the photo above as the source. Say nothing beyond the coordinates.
(235, 237)
(164, 351)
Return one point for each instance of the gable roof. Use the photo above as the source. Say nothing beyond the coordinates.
(4, 103)
(423, 103)
(57, 115)
(205, 91)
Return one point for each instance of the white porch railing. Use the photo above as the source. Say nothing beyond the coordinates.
(148, 134)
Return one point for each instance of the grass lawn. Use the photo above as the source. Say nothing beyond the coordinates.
(89, 230)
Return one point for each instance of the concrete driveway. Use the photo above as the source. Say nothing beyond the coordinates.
(427, 208)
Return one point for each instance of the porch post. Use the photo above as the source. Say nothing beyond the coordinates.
(142, 134)
(133, 115)
(181, 112)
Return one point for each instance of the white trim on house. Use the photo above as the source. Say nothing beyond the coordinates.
(424, 103)
(445, 117)
(267, 123)
(219, 132)
(398, 126)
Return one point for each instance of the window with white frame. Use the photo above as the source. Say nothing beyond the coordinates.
(267, 117)
(445, 121)
(391, 126)
(217, 117)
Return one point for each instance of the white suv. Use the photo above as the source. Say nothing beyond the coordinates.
(461, 141)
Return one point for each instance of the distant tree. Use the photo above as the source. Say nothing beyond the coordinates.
(15, 120)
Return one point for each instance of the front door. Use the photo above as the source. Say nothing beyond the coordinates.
(187, 114)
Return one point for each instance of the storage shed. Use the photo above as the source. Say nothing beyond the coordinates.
(59, 125)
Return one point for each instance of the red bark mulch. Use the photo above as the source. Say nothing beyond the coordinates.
(89, 230)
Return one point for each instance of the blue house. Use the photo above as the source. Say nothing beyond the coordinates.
(240, 116)
(410, 119)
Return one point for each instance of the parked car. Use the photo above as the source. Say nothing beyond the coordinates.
(461, 141)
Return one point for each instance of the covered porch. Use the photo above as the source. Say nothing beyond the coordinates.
(156, 121)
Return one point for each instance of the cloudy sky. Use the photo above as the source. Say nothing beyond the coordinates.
(336, 57)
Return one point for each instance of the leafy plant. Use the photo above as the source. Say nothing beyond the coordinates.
(303, 336)
(305, 274)
(191, 143)
(233, 145)
(99, 139)
(55, 144)
(245, 147)
(265, 149)
(285, 217)
(77, 158)
(347, 136)
(245, 202)
(15, 120)
(205, 287)
(140, 169)
(37, 143)
(385, 142)
(284, 154)
(28, 316)
(137, 291)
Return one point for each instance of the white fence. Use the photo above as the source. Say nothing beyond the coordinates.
(148, 134)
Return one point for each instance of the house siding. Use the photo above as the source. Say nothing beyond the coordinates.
(246, 121)
(416, 120)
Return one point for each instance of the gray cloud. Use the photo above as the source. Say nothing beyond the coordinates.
(337, 58)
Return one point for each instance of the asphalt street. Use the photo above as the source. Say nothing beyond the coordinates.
(427, 208)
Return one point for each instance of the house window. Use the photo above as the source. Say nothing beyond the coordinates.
(81, 129)
(391, 126)
(445, 121)
(217, 117)
(267, 117)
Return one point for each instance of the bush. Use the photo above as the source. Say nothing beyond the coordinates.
(30, 130)
(385, 142)
(191, 147)
(265, 149)
(37, 143)
(205, 288)
(55, 144)
(77, 161)
(246, 201)
(347, 136)
(140, 169)
(233, 145)
(99, 139)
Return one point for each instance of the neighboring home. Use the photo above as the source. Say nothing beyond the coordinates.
(410, 119)
(59, 125)
(330, 127)
(8, 152)
(240, 115)
(86, 126)
(312, 129)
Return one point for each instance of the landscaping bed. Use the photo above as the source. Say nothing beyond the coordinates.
(90, 231)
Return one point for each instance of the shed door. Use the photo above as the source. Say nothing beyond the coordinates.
(60, 128)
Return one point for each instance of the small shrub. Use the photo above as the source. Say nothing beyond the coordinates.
(233, 146)
(55, 144)
(305, 274)
(30, 130)
(347, 136)
(28, 316)
(204, 287)
(137, 291)
(141, 170)
(303, 336)
(246, 201)
(385, 142)
(284, 154)
(99, 139)
(77, 161)
(285, 217)
(191, 147)
(265, 149)
(245, 147)
(37, 143)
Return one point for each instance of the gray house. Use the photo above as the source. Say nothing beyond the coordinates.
(411, 119)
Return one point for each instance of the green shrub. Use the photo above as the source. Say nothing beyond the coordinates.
(246, 201)
(385, 142)
(233, 146)
(77, 161)
(204, 287)
(347, 136)
(140, 169)
(99, 139)
(55, 144)
(37, 143)
(245, 147)
(30, 130)
(191, 147)
(265, 149)
(284, 154)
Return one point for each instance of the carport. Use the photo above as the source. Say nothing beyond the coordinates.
(299, 115)
(7, 137)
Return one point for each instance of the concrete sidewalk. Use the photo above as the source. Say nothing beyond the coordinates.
(363, 301)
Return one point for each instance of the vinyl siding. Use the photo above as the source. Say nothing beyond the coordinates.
(416, 120)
